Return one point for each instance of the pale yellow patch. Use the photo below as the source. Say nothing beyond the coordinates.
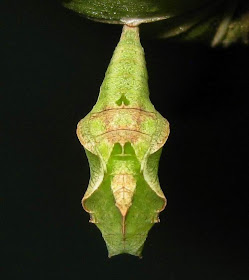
(123, 187)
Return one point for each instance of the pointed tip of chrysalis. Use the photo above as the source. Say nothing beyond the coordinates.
(132, 245)
(138, 253)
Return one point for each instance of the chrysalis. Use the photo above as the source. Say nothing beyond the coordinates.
(123, 137)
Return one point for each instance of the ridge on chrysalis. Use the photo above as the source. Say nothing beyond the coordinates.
(123, 137)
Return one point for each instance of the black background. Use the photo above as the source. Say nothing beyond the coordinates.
(53, 64)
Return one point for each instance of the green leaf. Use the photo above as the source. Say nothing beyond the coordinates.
(121, 11)
(218, 23)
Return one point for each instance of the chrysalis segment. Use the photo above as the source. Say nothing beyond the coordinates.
(123, 137)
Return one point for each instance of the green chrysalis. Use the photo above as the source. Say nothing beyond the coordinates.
(123, 137)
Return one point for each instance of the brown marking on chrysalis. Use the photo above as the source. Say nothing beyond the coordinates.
(123, 187)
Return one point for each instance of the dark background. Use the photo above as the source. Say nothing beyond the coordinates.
(53, 63)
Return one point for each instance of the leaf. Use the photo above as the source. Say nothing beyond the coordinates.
(123, 137)
(218, 23)
(121, 11)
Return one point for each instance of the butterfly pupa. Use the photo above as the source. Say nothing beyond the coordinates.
(123, 136)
